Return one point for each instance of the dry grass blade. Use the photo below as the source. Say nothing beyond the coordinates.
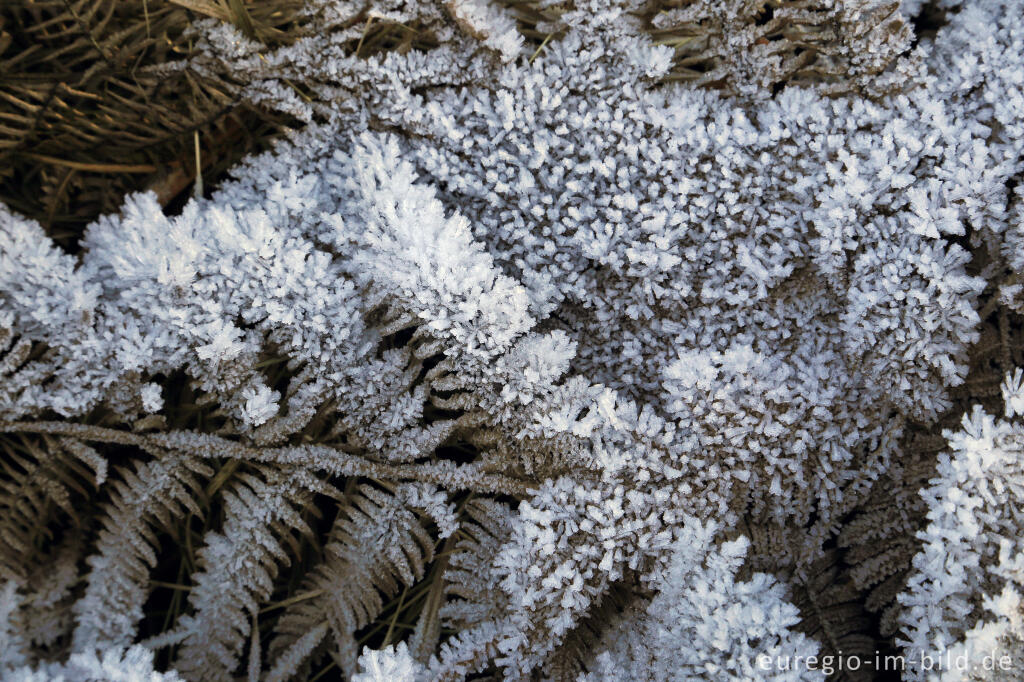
(205, 8)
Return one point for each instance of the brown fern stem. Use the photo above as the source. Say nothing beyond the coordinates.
(321, 457)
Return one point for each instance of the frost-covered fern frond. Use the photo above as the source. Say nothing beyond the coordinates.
(738, 46)
(732, 629)
(142, 500)
(833, 615)
(42, 478)
(572, 659)
(13, 648)
(49, 596)
(994, 647)
(391, 664)
(238, 565)
(551, 327)
(474, 596)
(377, 547)
(971, 547)
(754, 47)
(881, 537)
(112, 665)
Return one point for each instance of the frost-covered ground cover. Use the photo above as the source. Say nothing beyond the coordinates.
(542, 360)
